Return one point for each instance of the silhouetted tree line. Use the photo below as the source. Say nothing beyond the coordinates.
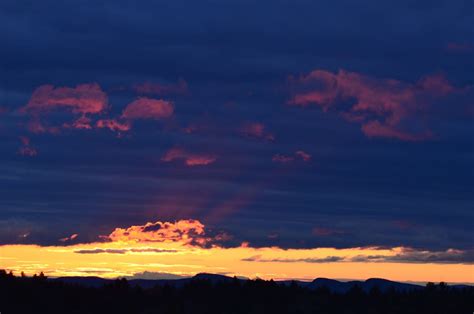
(21, 294)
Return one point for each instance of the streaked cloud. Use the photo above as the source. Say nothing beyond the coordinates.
(298, 155)
(282, 158)
(189, 159)
(70, 238)
(123, 251)
(328, 259)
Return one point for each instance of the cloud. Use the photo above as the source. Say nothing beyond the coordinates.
(190, 159)
(148, 108)
(83, 99)
(149, 88)
(300, 154)
(155, 276)
(256, 130)
(26, 149)
(328, 259)
(409, 255)
(191, 248)
(377, 129)
(70, 238)
(282, 158)
(123, 251)
(186, 232)
(394, 255)
(303, 155)
(113, 125)
(82, 123)
(37, 126)
(384, 107)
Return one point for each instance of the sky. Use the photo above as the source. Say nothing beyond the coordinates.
(279, 139)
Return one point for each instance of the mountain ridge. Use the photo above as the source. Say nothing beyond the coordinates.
(332, 285)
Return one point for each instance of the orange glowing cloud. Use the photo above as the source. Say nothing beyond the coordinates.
(185, 232)
(190, 159)
(380, 105)
(148, 108)
(84, 98)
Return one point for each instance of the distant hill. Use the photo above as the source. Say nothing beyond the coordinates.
(382, 284)
(332, 285)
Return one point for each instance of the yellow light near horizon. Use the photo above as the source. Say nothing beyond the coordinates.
(131, 258)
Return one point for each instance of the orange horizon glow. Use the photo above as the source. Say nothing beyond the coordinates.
(183, 248)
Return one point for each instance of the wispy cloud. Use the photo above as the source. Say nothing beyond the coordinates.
(190, 159)
(27, 149)
(70, 238)
(256, 130)
(298, 155)
(384, 107)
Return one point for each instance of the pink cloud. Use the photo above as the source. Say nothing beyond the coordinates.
(377, 129)
(381, 106)
(113, 125)
(70, 238)
(303, 155)
(25, 140)
(256, 130)
(85, 98)
(282, 158)
(436, 84)
(149, 88)
(300, 154)
(148, 108)
(36, 126)
(26, 149)
(190, 159)
(82, 123)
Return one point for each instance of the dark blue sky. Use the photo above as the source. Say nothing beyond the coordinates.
(373, 148)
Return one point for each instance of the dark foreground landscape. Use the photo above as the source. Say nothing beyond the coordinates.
(207, 293)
